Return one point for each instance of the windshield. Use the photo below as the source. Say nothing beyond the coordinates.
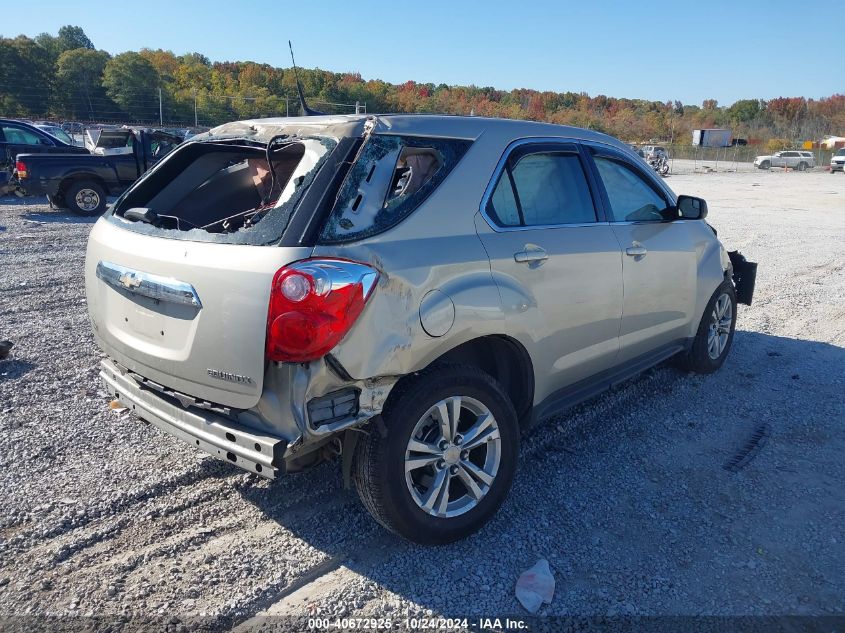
(841, 152)
(58, 133)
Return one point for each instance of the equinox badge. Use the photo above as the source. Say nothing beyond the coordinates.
(226, 375)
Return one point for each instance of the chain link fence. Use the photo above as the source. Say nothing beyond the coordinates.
(689, 159)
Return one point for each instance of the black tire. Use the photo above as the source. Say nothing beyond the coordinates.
(802, 166)
(379, 466)
(765, 164)
(86, 198)
(698, 358)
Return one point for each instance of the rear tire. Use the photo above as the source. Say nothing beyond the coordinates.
(802, 166)
(434, 481)
(86, 198)
(715, 334)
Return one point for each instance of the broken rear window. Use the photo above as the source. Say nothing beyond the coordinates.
(391, 177)
(224, 191)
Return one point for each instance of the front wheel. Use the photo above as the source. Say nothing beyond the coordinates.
(86, 198)
(664, 169)
(443, 462)
(765, 164)
(715, 334)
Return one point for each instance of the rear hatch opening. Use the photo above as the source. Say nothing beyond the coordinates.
(234, 191)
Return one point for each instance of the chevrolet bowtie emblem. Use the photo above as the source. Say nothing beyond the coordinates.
(129, 280)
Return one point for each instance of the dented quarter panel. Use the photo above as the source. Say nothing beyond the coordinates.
(388, 339)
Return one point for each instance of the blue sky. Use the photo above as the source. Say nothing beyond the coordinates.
(637, 49)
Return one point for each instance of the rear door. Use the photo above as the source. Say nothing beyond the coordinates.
(659, 256)
(558, 266)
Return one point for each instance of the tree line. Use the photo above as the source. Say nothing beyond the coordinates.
(65, 77)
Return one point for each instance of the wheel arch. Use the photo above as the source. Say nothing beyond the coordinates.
(500, 356)
(68, 181)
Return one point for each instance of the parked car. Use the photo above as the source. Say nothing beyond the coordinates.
(837, 161)
(82, 183)
(56, 132)
(17, 137)
(351, 296)
(799, 160)
(653, 152)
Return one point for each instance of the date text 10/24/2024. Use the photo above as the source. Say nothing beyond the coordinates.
(418, 624)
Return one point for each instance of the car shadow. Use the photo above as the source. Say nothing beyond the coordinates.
(59, 216)
(626, 495)
(11, 369)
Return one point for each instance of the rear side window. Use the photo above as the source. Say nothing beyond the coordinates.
(541, 189)
(20, 136)
(391, 177)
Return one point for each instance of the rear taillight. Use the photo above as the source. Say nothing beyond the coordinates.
(20, 169)
(313, 304)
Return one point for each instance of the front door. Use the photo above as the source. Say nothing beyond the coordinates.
(659, 263)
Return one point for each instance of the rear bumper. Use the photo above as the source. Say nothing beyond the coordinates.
(218, 436)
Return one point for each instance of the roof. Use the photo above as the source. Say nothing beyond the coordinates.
(432, 125)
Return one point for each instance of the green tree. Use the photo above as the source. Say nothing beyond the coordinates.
(71, 37)
(132, 82)
(26, 74)
(79, 83)
(744, 110)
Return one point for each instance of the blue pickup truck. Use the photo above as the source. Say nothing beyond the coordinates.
(82, 182)
(20, 137)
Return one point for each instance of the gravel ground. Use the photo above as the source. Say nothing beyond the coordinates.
(625, 496)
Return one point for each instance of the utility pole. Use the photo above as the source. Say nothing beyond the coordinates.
(160, 109)
(195, 109)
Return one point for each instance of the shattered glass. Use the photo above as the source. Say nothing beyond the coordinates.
(271, 223)
(380, 191)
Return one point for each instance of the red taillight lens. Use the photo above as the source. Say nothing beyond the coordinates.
(20, 169)
(313, 304)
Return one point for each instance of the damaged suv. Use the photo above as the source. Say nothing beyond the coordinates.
(406, 293)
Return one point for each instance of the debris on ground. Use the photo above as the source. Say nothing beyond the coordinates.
(535, 586)
(5, 348)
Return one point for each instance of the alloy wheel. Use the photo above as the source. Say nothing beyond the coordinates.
(720, 326)
(453, 456)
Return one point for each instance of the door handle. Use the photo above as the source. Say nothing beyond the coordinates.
(636, 251)
(534, 255)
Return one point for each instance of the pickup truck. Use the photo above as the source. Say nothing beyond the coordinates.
(81, 183)
(18, 137)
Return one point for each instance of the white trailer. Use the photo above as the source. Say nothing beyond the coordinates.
(712, 137)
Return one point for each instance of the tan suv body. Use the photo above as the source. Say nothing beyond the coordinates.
(406, 292)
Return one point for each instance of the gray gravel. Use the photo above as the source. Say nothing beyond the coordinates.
(626, 496)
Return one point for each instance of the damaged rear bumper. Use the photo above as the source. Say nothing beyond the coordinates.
(218, 436)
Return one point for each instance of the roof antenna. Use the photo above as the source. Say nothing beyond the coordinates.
(305, 109)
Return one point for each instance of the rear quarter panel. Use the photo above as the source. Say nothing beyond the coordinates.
(435, 248)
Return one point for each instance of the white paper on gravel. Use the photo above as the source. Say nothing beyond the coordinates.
(535, 586)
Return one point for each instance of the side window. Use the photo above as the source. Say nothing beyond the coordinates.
(391, 177)
(631, 198)
(543, 188)
(20, 136)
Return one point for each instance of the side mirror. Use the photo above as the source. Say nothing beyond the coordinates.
(692, 208)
